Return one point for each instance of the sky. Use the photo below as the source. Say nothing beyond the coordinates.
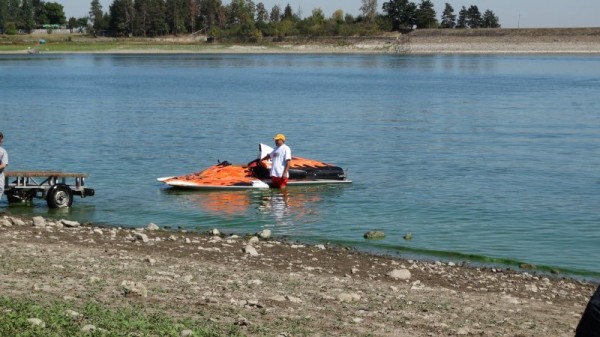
(512, 13)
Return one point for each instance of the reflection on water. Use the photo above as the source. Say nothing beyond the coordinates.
(287, 208)
(276, 204)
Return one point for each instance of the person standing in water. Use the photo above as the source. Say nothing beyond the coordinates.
(280, 157)
(3, 164)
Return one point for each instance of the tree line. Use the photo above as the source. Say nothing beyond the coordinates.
(239, 19)
(26, 15)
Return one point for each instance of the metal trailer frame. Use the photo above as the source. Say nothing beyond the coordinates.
(22, 186)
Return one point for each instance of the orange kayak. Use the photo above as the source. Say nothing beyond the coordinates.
(256, 174)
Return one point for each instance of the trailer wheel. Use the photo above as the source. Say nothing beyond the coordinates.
(59, 196)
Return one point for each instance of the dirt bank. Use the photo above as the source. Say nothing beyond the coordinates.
(276, 288)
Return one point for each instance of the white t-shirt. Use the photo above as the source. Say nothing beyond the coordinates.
(3, 158)
(279, 156)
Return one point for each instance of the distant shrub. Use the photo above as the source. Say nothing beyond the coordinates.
(10, 28)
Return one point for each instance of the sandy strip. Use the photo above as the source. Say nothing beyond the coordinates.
(418, 46)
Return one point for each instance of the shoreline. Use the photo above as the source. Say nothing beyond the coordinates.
(419, 42)
(375, 49)
(270, 287)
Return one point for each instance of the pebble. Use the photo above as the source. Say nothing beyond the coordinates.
(134, 289)
(186, 333)
(36, 322)
(88, 328)
(348, 297)
(72, 314)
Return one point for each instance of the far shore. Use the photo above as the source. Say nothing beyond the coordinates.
(495, 41)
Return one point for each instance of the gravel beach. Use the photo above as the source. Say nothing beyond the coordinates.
(270, 287)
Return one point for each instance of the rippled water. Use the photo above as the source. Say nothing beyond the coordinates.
(491, 158)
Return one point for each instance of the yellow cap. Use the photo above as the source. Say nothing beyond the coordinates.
(279, 136)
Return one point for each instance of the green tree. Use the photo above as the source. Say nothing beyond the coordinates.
(192, 14)
(275, 15)
(402, 13)
(122, 17)
(314, 25)
(349, 18)
(55, 13)
(236, 12)
(72, 23)
(338, 17)
(490, 20)
(474, 17)
(262, 15)
(448, 17)
(78, 24)
(463, 16)
(27, 20)
(176, 16)
(210, 13)
(250, 7)
(369, 10)
(39, 12)
(97, 17)
(3, 14)
(14, 7)
(288, 14)
(149, 18)
(426, 15)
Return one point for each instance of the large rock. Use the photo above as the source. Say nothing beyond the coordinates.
(69, 223)
(400, 274)
(131, 288)
(265, 234)
(141, 237)
(39, 221)
(250, 250)
(374, 235)
(152, 227)
(17, 222)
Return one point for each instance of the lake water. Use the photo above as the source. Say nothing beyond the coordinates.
(489, 158)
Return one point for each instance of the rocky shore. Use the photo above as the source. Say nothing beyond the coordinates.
(269, 287)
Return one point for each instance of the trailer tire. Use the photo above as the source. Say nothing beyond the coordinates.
(59, 196)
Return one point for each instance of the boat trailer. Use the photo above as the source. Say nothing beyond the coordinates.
(53, 186)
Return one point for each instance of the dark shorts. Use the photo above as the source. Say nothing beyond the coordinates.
(277, 182)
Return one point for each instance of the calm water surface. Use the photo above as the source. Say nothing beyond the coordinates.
(491, 158)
